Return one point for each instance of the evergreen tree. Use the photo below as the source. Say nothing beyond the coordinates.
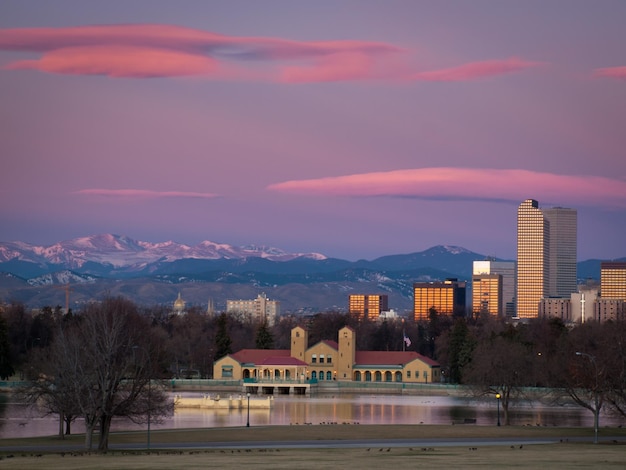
(223, 343)
(264, 338)
(6, 369)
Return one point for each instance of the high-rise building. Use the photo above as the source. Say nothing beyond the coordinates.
(487, 294)
(562, 279)
(546, 255)
(506, 270)
(613, 280)
(533, 241)
(260, 309)
(368, 306)
(446, 298)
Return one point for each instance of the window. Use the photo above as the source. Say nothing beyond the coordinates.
(321, 359)
(314, 375)
(408, 374)
(321, 375)
(314, 359)
(329, 375)
(329, 359)
(227, 372)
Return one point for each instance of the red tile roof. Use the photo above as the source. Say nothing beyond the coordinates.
(382, 358)
(257, 356)
(373, 358)
(283, 361)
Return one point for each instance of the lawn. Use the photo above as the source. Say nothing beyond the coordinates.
(563, 454)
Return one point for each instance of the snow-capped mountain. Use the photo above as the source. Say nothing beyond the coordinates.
(121, 251)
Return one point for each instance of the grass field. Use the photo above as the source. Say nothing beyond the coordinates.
(565, 454)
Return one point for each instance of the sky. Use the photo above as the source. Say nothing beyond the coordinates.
(355, 129)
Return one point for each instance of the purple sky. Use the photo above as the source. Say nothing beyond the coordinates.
(351, 128)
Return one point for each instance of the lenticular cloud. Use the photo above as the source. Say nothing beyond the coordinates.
(468, 184)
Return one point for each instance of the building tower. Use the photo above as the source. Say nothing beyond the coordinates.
(562, 275)
(507, 271)
(347, 353)
(446, 298)
(367, 306)
(533, 241)
(546, 255)
(487, 294)
(613, 280)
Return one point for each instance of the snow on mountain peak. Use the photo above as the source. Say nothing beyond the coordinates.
(122, 251)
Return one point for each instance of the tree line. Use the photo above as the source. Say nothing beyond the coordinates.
(111, 358)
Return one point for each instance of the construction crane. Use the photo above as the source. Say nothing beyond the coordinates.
(67, 290)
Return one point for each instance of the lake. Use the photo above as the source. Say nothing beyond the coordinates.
(20, 420)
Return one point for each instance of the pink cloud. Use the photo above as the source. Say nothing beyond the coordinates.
(153, 50)
(336, 67)
(477, 70)
(120, 61)
(144, 194)
(164, 50)
(611, 72)
(468, 183)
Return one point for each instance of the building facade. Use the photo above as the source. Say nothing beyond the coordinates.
(324, 361)
(583, 304)
(260, 309)
(556, 307)
(367, 306)
(446, 298)
(507, 270)
(613, 280)
(562, 271)
(487, 294)
(546, 255)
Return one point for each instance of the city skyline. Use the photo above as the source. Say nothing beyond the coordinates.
(355, 129)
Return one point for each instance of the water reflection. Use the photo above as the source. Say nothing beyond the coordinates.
(20, 420)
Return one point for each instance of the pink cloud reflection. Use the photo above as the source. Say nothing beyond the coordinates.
(477, 70)
(468, 183)
(144, 194)
(611, 72)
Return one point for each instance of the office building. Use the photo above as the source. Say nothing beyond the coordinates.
(546, 255)
(487, 294)
(507, 272)
(556, 307)
(562, 279)
(367, 306)
(583, 304)
(613, 280)
(260, 309)
(446, 298)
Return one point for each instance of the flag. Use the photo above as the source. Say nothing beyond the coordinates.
(407, 341)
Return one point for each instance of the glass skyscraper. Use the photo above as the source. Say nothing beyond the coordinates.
(546, 255)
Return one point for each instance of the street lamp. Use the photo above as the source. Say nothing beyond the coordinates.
(248, 422)
(498, 396)
(596, 411)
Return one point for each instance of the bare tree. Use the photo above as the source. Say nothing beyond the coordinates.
(499, 365)
(103, 366)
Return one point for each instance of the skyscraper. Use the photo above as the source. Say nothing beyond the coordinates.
(562, 279)
(533, 240)
(446, 298)
(613, 280)
(506, 270)
(367, 306)
(546, 255)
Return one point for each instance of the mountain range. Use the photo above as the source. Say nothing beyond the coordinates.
(154, 273)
